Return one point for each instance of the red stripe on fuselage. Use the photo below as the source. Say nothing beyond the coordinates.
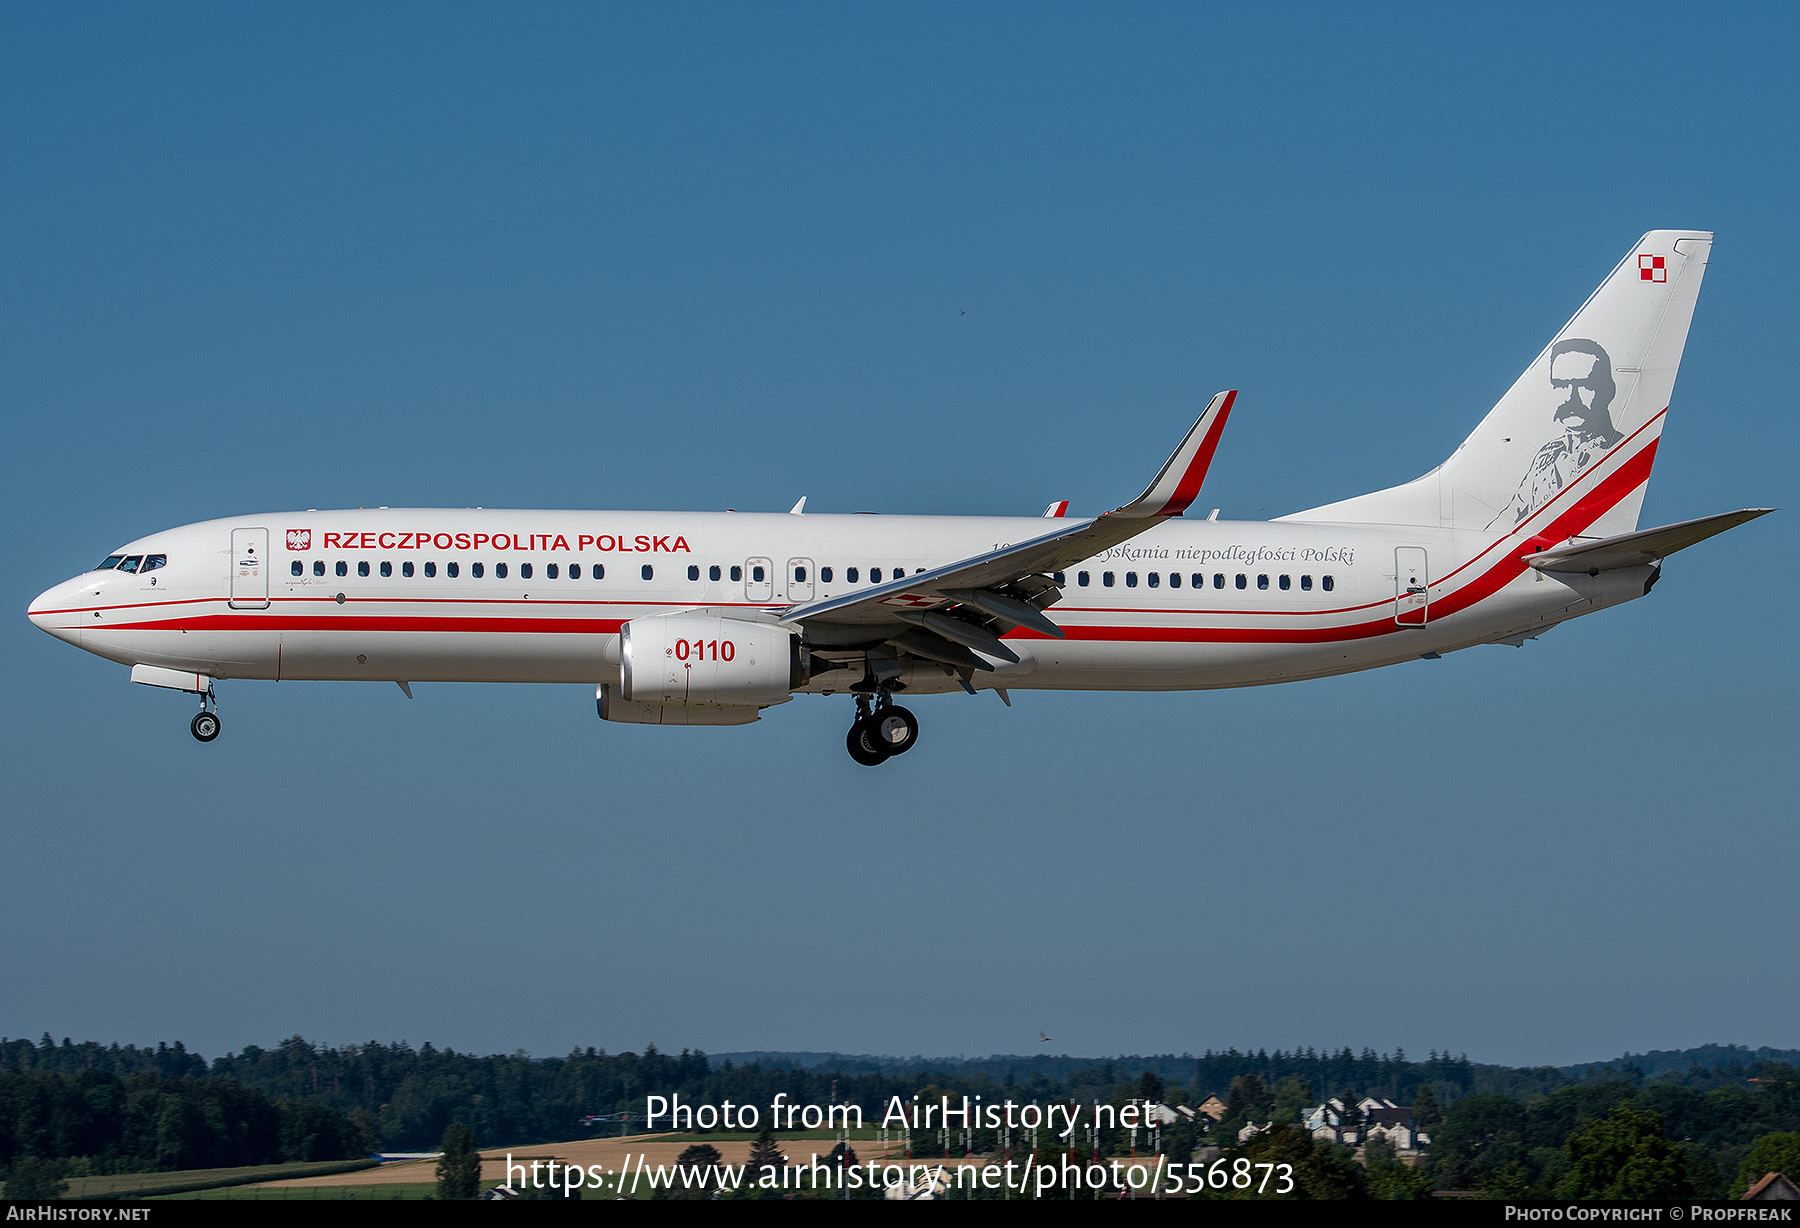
(1589, 507)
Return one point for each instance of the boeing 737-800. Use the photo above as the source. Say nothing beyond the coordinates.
(695, 618)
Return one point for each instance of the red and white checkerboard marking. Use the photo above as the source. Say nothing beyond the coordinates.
(1650, 268)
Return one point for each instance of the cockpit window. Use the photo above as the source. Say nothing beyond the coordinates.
(153, 561)
(110, 561)
(130, 562)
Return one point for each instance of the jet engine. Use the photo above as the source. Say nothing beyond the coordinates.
(701, 659)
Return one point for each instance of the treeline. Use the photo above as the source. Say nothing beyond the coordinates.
(403, 1098)
(166, 1107)
(1680, 1139)
(144, 1122)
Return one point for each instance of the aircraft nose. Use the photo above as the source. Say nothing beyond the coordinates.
(53, 610)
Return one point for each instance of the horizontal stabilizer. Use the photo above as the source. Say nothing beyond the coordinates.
(1641, 548)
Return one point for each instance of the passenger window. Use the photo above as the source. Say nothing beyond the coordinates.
(599, 571)
(499, 571)
(1306, 584)
(1218, 579)
(318, 566)
(478, 570)
(737, 573)
(693, 572)
(647, 571)
(1155, 579)
(387, 569)
(574, 571)
(342, 568)
(1081, 578)
(1131, 579)
(851, 574)
(712, 573)
(1106, 578)
(1286, 584)
(756, 573)
(550, 572)
(451, 570)
(799, 575)
(1242, 581)
(153, 561)
(1327, 583)
(362, 568)
(524, 571)
(406, 570)
(297, 568)
(1174, 579)
(1262, 582)
(1061, 580)
(874, 575)
(431, 571)
(130, 562)
(824, 575)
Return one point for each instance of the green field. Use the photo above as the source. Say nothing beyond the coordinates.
(868, 1134)
(349, 1193)
(147, 1185)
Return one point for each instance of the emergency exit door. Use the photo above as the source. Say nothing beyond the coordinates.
(1412, 586)
(759, 580)
(799, 579)
(249, 569)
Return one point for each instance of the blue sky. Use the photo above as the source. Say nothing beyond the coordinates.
(707, 256)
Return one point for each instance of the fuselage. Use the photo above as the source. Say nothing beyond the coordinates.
(539, 596)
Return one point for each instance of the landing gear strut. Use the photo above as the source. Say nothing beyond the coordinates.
(205, 725)
(881, 730)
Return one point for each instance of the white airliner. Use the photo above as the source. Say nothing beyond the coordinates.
(698, 618)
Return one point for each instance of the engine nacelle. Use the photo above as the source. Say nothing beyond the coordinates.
(613, 708)
(702, 659)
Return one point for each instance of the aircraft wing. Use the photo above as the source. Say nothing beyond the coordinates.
(1005, 585)
(1640, 548)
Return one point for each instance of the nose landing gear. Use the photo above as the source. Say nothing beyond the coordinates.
(205, 725)
(881, 732)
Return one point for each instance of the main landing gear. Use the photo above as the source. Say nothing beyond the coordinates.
(205, 725)
(881, 731)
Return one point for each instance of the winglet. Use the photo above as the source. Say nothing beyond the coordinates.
(1178, 485)
(1057, 510)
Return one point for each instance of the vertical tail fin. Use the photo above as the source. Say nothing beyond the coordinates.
(1588, 410)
